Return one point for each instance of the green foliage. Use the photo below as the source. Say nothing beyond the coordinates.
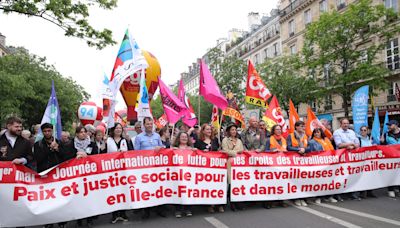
(283, 78)
(229, 72)
(337, 41)
(70, 16)
(25, 85)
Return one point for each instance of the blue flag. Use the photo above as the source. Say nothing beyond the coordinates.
(359, 105)
(376, 131)
(52, 115)
(385, 127)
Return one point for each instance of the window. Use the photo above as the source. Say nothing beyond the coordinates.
(275, 49)
(256, 59)
(311, 73)
(291, 28)
(293, 49)
(340, 4)
(266, 53)
(328, 103)
(391, 92)
(392, 54)
(307, 17)
(313, 105)
(327, 74)
(323, 6)
(391, 4)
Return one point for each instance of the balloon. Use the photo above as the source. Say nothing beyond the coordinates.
(101, 128)
(130, 87)
(89, 113)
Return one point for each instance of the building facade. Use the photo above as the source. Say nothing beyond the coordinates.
(3, 48)
(294, 18)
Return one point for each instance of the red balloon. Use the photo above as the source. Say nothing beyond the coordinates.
(90, 113)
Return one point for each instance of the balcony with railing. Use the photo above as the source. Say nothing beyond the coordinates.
(291, 7)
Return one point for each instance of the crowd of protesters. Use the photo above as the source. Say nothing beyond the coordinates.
(25, 148)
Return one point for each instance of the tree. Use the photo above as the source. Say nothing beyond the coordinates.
(283, 78)
(25, 85)
(70, 16)
(344, 47)
(229, 72)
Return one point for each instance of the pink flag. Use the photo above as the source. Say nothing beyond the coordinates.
(189, 118)
(173, 107)
(209, 88)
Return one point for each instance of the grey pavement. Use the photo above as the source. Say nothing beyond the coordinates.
(381, 212)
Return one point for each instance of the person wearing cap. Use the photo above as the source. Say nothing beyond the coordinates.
(232, 145)
(345, 137)
(392, 138)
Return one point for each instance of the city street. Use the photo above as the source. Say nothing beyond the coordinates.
(383, 212)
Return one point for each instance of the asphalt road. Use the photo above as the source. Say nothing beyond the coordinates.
(379, 212)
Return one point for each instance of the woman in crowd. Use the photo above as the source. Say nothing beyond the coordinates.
(232, 145)
(81, 147)
(117, 143)
(165, 137)
(319, 142)
(208, 142)
(183, 142)
(365, 141)
(100, 143)
(276, 142)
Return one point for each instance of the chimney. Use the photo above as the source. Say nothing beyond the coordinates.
(2, 40)
(253, 20)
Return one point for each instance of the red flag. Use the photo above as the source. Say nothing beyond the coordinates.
(189, 118)
(256, 91)
(293, 116)
(273, 115)
(313, 122)
(209, 88)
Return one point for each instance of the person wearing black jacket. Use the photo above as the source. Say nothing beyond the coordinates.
(13, 147)
(48, 153)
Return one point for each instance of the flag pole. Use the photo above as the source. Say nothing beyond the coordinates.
(172, 135)
(199, 109)
(220, 126)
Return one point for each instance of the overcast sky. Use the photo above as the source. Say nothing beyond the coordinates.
(175, 32)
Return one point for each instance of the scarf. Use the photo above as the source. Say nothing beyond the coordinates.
(325, 143)
(81, 145)
(275, 145)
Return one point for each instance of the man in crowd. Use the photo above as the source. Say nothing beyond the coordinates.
(149, 140)
(13, 147)
(253, 138)
(263, 128)
(392, 138)
(346, 138)
(47, 152)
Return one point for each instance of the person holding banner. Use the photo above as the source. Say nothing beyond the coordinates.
(208, 142)
(345, 137)
(48, 151)
(391, 138)
(149, 140)
(117, 143)
(297, 141)
(276, 143)
(183, 142)
(365, 141)
(232, 145)
(13, 147)
(319, 142)
(99, 140)
(253, 138)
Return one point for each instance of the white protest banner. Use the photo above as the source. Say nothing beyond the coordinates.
(281, 176)
(108, 182)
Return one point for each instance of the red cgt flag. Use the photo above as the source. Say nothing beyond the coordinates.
(273, 115)
(293, 116)
(256, 91)
(313, 122)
